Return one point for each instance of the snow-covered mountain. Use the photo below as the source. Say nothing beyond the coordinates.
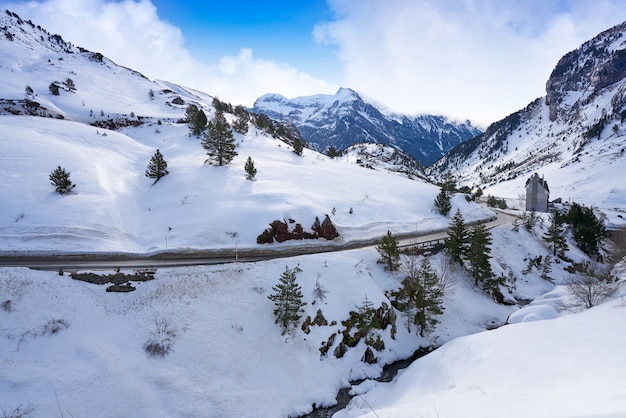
(574, 136)
(344, 119)
(69, 348)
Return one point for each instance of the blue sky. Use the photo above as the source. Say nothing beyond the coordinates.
(465, 59)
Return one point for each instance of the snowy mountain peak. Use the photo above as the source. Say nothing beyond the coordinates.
(575, 136)
(344, 119)
(31, 36)
(583, 73)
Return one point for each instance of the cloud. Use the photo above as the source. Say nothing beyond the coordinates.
(476, 59)
(132, 34)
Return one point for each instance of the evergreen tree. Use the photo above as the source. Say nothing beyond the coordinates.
(478, 253)
(69, 83)
(389, 252)
(298, 146)
(61, 179)
(191, 110)
(241, 124)
(198, 123)
(151, 94)
(555, 236)
(420, 296)
(287, 298)
(29, 91)
(587, 229)
(442, 203)
(54, 88)
(449, 183)
(218, 141)
(157, 167)
(250, 169)
(458, 238)
(366, 321)
(331, 152)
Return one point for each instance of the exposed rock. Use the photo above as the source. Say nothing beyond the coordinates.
(368, 356)
(340, 350)
(280, 231)
(319, 319)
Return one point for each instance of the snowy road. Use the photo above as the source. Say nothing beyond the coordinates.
(108, 261)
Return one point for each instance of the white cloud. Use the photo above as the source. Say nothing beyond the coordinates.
(465, 58)
(132, 34)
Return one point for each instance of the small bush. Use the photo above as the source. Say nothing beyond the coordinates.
(7, 306)
(162, 339)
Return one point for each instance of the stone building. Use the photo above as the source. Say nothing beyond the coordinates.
(537, 194)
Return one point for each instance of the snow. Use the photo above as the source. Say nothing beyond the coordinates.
(70, 348)
(571, 366)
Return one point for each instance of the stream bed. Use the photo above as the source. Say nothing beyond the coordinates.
(390, 371)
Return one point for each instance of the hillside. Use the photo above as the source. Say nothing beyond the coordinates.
(203, 341)
(574, 136)
(345, 119)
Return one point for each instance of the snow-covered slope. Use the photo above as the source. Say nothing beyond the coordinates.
(114, 207)
(344, 119)
(69, 348)
(575, 136)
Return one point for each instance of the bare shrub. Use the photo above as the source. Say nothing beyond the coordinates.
(20, 412)
(161, 340)
(592, 286)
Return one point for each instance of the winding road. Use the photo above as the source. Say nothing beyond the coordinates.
(110, 261)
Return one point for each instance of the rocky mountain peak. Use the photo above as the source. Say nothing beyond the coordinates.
(582, 73)
(25, 32)
(344, 119)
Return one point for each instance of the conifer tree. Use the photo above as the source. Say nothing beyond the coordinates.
(458, 238)
(442, 203)
(54, 88)
(298, 146)
(287, 298)
(420, 296)
(241, 123)
(478, 253)
(218, 141)
(61, 179)
(555, 236)
(157, 167)
(198, 122)
(389, 252)
(366, 321)
(250, 169)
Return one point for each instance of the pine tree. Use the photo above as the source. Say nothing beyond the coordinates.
(389, 252)
(28, 90)
(331, 152)
(151, 94)
(458, 238)
(61, 179)
(478, 253)
(69, 83)
(250, 169)
(420, 296)
(555, 236)
(366, 321)
(198, 123)
(54, 88)
(442, 203)
(157, 167)
(449, 184)
(218, 141)
(287, 298)
(298, 146)
(241, 123)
